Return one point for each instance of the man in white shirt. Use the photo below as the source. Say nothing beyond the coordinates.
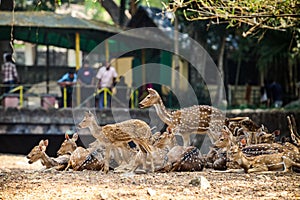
(107, 79)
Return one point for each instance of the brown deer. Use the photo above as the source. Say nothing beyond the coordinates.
(181, 158)
(198, 119)
(80, 158)
(162, 144)
(264, 163)
(253, 133)
(119, 134)
(39, 153)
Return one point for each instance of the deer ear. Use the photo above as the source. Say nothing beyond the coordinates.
(151, 91)
(90, 114)
(46, 142)
(41, 143)
(67, 136)
(75, 137)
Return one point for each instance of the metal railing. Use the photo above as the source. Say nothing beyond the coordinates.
(20, 92)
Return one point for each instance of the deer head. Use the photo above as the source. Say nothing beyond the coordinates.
(37, 151)
(151, 99)
(234, 153)
(166, 139)
(225, 140)
(69, 145)
(87, 121)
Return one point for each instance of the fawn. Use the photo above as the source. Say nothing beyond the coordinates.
(39, 153)
(119, 134)
(80, 158)
(263, 163)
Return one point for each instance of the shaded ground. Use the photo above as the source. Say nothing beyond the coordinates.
(19, 181)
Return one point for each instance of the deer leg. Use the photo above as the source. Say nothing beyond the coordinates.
(107, 158)
(117, 154)
(288, 163)
(126, 163)
(68, 166)
(137, 162)
(151, 160)
(144, 161)
(186, 139)
(260, 168)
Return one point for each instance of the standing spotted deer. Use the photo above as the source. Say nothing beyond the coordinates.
(80, 158)
(39, 153)
(198, 119)
(119, 134)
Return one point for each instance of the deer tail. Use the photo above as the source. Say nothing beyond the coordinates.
(144, 146)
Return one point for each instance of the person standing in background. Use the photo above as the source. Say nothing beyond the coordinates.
(276, 94)
(107, 76)
(66, 82)
(86, 76)
(9, 72)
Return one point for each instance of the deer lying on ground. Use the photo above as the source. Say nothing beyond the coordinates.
(80, 158)
(198, 119)
(39, 153)
(181, 158)
(262, 163)
(244, 127)
(227, 140)
(119, 134)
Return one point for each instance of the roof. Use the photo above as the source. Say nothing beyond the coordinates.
(49, 28)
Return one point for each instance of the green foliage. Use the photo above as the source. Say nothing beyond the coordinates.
(97, 11)
(39, 5)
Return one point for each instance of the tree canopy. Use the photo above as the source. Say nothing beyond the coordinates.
(270, 14)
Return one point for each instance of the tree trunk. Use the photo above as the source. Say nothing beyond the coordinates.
(114, 11)
(5, 46)
(221, 90)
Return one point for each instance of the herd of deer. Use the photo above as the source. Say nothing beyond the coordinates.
(239, 144)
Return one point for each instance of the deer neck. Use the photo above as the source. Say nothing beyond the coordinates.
(243, 161)
(94, 128)
(96, 131)
(47, 161)
(162, 112)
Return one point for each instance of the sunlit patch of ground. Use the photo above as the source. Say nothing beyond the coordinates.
(20, 180)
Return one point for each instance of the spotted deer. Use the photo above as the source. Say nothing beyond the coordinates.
(119, 134)
(162, 144)
(244, 127)
(39, 153)
(264, 163)
(80, 158)
(198, 119)
(181, 158)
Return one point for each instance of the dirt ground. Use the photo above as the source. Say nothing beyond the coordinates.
(20, 180)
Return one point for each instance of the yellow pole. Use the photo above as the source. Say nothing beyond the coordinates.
(21, 96)
(136, 98)
(65, 97)
(106, 51)
(105, 97)
(143, 66)
(77, 53)
(132, 100)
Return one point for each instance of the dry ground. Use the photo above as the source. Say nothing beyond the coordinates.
(19, 181)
